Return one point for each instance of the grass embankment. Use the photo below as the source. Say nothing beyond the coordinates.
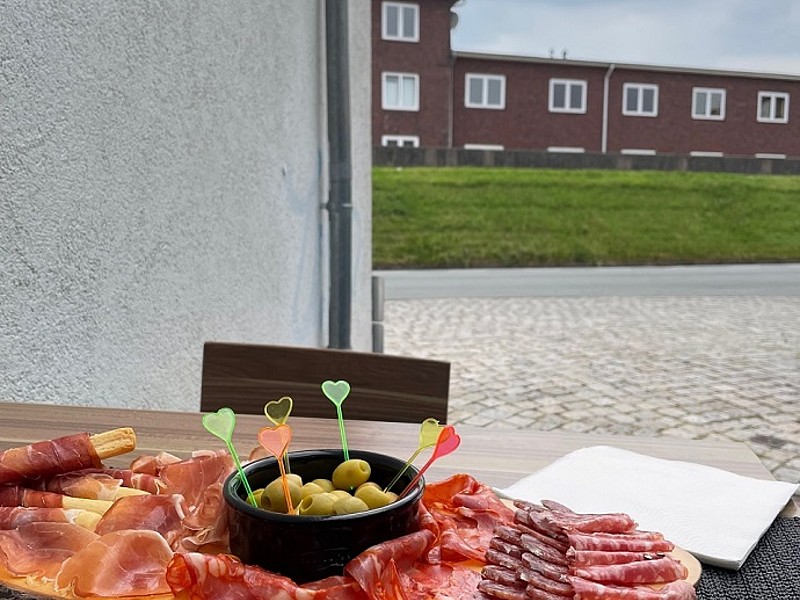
(476, 217)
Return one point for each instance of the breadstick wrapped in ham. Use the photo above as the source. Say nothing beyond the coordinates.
(15, 495)
(64, 454)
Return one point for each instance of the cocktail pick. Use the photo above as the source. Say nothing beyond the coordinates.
(337, 392)
(447, 442)
(428, 435)
(221, 424)
(278, 412)
(276, 441)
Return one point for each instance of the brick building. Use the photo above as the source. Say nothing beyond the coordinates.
(425, 94)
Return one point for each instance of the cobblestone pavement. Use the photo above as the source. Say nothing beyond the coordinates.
(694, 367)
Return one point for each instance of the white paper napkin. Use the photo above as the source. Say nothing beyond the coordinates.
(716, 515)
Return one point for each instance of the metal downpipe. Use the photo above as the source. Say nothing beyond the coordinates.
(340, 201)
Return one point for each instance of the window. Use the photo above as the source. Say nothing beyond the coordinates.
(401, 141)
(708, 104)
(400, 22)
(640, 100)
(495, 147)
(567, 95)
(485, 91)
(773, 107)
(400, 91)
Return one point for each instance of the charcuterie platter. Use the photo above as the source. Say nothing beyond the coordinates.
(160, 530)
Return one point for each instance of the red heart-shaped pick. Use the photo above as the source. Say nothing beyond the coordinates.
(448, 441)
(275, 439)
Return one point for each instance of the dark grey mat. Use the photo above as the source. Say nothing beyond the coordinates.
(771, 572)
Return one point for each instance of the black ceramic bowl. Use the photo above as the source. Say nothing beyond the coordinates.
(307, 548)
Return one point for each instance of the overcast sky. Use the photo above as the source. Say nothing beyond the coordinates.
(750, 35)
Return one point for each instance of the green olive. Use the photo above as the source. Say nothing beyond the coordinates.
(392, 496)
(318, 504)
(311, 489)
(368, 484)
(273, 497)
(351, 473)
(347, 506)
(372, 496)
(295, 477)
(325, 484)
(257, 495)
(340, 494)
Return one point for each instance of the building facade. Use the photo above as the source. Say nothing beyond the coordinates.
(426, 95)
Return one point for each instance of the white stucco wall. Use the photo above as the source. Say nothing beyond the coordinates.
(161, 182)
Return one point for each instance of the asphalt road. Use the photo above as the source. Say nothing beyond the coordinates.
(703, 280)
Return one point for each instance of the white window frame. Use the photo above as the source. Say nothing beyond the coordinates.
(773, 96)
(707, 107)
(569, 83)
(566, 149)
(485, 77)
(400, 140)
(414, 76)
(492, 147)
(639, 111)
(401, 35)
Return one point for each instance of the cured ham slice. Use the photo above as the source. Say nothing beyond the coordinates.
(658, 570)
(156, 513)
(590, 590)
(131, 479)
(12, 517)
(191, 477)
(122, 563)
(39, 549)
(152, 465)
(466, 513)
(42, 459)
(206, 526)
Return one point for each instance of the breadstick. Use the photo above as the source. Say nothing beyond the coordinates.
(96, 506)
(114, 442)
(87, 520)
(122, 492)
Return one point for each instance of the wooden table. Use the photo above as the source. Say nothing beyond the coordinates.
(494, 456)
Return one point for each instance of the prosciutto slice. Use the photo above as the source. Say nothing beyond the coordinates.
(465, 512)
(85, 484)
(156, 513)
(39, 549)
(141, 481)
(42, 459)
(12, 517)
(122, 563)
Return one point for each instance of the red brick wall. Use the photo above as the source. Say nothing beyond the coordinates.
(675, 131)
(430, 59)
(526, 122)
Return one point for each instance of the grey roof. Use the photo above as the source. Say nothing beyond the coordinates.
(619, 65)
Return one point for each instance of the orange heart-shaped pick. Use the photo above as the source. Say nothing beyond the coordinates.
(275, 439)
(278, 411)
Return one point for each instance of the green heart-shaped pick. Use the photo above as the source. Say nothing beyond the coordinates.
(429, 433)
(220, 423)
(336, 391)
(278, 411)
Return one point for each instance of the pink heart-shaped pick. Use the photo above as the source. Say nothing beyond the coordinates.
(275, 439)
(448, 441)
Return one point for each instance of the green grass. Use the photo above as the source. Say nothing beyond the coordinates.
(479, 217)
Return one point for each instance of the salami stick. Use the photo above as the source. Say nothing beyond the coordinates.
(69, 453)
